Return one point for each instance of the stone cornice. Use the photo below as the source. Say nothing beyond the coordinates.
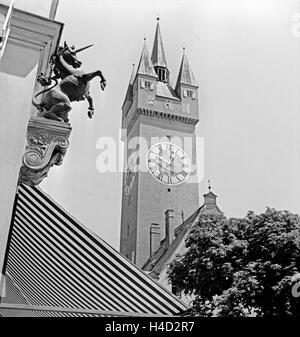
(167, 115)
(159, 114)
(47, 143)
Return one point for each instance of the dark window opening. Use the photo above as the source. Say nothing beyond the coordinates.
(162, 75)
(147, 85)
(189, 93)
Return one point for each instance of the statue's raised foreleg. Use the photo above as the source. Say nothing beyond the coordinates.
(88, 77)
(91, 106)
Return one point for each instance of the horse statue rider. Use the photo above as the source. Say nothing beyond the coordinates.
(73, 86)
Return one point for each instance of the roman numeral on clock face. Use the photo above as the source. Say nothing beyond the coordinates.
(185, 170)
(180, 177)
(160, 176)
(168, 163)
(156, 173)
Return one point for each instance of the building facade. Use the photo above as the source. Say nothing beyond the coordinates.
(166, 250)
(28, 39)
(158, 121)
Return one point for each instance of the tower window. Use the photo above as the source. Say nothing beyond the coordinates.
(162, 74)
(189, 93)
(159, 75)
(147, 85)
(169, 190)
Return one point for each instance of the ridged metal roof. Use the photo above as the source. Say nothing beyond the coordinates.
(56, 262)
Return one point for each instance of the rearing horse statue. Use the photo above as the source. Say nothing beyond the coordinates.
(74, 85)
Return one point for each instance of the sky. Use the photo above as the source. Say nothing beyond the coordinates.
(245, 55)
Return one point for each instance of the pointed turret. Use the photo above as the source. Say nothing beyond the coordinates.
(158, 56)
(210, 202)
(145, 65)
(158, 53)
(129, 93)
(185, 75)
(210, 198)
(133, 73)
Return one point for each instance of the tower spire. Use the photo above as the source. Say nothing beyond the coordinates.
(145, 66)
(158, 56)
(185, 75)
(129, 92)
(132, 74)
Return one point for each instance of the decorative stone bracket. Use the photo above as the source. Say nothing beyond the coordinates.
(47, 143)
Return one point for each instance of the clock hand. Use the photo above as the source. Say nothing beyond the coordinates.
(163, 159)
(170, 170)
(172, 158)
(168, 162)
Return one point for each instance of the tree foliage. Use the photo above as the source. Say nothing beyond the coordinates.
(241, 267)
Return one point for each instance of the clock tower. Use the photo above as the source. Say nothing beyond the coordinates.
(159, 122)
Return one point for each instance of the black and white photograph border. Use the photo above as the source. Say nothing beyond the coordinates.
(149, 161)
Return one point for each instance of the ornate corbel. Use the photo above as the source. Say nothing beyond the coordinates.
(47, 143)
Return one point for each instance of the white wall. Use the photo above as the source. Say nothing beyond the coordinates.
(15, 104)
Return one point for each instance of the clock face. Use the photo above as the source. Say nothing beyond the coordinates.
(168, 163)
(130, 172)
